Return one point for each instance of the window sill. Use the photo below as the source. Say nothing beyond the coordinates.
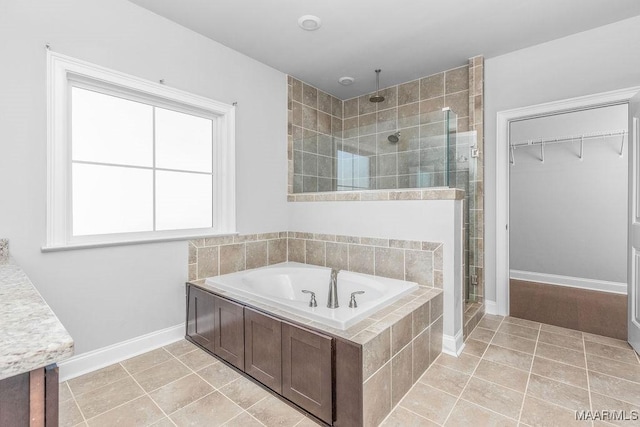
(106, 244)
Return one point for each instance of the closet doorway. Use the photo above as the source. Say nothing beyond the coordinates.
(568, 226)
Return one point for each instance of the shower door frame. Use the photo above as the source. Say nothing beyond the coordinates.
(504, 118)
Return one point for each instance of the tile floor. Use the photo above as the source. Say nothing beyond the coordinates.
(512, 372)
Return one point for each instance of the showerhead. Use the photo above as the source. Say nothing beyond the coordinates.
(377, 97)
(395, 137)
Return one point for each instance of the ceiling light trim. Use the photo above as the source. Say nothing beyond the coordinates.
(309, 22)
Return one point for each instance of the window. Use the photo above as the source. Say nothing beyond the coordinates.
(131, 160)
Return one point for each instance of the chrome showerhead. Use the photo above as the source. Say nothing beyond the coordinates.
(395, 137)
(377, 97)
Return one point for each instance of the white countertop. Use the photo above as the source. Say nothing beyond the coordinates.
(31, 336)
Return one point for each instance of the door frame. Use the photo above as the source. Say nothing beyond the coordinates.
(504, 118)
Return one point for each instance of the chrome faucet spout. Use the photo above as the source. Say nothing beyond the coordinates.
(332, 300)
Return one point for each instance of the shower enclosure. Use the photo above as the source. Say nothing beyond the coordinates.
(394, 151)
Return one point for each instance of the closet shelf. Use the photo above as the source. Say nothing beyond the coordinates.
(573, 138)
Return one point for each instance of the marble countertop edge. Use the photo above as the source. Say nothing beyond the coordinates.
(31, 336)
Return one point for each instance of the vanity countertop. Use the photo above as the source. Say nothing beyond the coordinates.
(31, 336)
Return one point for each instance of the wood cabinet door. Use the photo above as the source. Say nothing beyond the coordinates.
(307, 370)
(228, 340)
(263, 348)
(201, 317)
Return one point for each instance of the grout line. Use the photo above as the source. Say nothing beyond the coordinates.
(526, 389)
(586, 366)
(470, 377)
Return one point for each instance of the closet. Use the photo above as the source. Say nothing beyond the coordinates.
(568, 219)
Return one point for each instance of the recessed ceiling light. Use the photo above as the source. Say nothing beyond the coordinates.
(309, 22)
(346, 81)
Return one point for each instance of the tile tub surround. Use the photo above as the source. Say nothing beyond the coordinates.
(32, 336)
(397, 344)
(415, 261)
(227, 254)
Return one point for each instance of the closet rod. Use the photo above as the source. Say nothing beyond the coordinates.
(567, 138)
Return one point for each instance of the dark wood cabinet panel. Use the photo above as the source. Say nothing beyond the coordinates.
(201, 317)
(30, 399)
(262, 348)
(307, 374)
(229, 332)
(14, 401)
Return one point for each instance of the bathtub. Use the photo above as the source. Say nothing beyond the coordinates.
(281, 286)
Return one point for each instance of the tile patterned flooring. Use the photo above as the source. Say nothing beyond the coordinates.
(512, 372)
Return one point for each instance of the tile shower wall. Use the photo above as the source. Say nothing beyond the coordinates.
(476, 203)
(342, 145)
(315, 127)
(416, 261)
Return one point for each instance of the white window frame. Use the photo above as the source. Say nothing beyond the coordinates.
(64, 72)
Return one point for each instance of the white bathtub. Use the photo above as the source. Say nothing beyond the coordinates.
(281, 285)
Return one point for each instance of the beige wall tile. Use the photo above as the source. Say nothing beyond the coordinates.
(309, 95)
(401, 374)
(277, 250)
(232, 258)
(377, 396)
(315, 252)
(401, 333)
(376, 353)
(421, 319)
(207, 262)
(418, 266)
(256, 254)
(456, 79)
(409, 92)
(421, 354)
(337, 255)
(389, 262)
(432, 86)
(297, 250)
(361, 259)
(435, 344)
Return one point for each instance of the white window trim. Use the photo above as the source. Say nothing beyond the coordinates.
(60, 70)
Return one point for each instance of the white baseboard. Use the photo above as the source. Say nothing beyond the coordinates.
(490, 307)
(96, 359)
(572, 282)
(453, 345)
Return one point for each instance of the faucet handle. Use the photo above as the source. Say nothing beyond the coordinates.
(352, 301)
(312, 302)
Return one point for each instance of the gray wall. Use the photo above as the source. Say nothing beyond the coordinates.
(598, 60)
(568, 216)
(105, 296)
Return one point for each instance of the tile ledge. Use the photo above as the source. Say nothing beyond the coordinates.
(436, 193)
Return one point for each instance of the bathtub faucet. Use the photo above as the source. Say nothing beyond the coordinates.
(332, 301)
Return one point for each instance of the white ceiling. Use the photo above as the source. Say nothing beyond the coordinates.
(407, 39)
